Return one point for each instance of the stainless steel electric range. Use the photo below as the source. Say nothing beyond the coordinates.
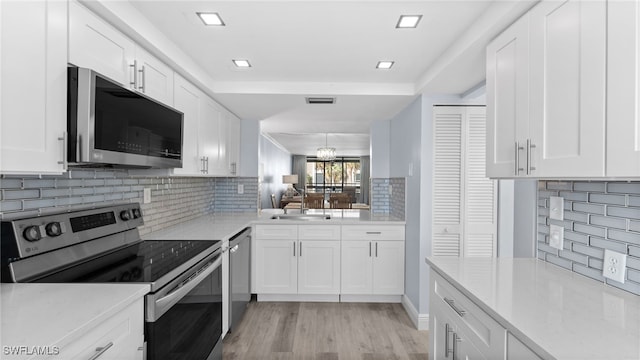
(183, 311)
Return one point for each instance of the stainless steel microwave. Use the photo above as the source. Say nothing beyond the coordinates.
(112, 126)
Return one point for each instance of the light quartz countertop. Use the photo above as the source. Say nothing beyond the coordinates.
(57, 314)
(222, 226)
(562, 313)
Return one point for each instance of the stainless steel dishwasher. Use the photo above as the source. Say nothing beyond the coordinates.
(239, 276)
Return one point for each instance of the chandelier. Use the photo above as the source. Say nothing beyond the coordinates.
(326, 153)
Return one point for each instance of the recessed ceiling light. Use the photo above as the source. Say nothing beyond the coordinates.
(408, 21)
(242, 63)
(211, 18)
(384, 65)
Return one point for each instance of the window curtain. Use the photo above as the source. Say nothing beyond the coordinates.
(365, 171)
(300, 169)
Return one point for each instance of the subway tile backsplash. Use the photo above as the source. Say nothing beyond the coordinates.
(598, 215)
(384, 202)
(174, 199)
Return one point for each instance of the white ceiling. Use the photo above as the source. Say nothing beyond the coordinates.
(300, 48)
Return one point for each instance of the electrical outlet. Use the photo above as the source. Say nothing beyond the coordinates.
(147, 195)
(556, 208)
(240, 189)
(556, 237)
(615, 265)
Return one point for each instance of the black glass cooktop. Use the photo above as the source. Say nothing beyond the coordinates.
(144, 262)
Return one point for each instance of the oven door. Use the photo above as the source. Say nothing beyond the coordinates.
(184, 318)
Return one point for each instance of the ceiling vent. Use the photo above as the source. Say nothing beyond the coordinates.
(321, 100)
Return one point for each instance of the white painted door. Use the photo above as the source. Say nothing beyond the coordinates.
(276, 267)
(356, 276)
(187, 100)
(464, 199)
(319, 267)
(507, 100)
(33, 112)
(623, 95)
(97, 45)
(480, 193)
(154, 78)
(388, 268)
(447, 182)
(567, 89)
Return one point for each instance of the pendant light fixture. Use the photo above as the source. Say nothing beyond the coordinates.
(326, 153)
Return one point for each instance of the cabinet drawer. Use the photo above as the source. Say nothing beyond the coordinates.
(482, 330)
(123, 333)
(276, 232)
(319, 232)
(373, 232)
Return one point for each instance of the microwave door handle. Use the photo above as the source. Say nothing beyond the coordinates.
(166, 302)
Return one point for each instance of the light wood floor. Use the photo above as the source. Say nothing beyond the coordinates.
(326, 331)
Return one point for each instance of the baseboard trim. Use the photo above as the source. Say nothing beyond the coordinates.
(298, 297)
(420, 321)
(371, 298)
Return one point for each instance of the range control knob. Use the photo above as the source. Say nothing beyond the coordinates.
(53, 229)
(136, 213)
(32, 233)
(125, 215)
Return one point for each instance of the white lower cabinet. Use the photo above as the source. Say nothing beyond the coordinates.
(319, 260)
(372, 260)
(295, 259)
(120, 337)
(460, 329)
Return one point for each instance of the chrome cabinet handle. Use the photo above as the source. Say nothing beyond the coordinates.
(376, 249)
(101, 350)
(134, 82)
(142, 79)
(456, 339)
(374, 232)
(294, 249)
(530, 146)
(65, 149)
(517, 162)
(447, 330)
(234, 168)
(369, 248)
(207, 164)
(300, 249)
(453, 306)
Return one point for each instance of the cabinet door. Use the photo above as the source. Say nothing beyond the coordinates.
(33, 112)
(356, 271)
(187, 99)
(388, 268)
(154, 78)
(97, 45)
(507, 99)
(276, 267)
(209, 134)
(319, 267)
(623, 95)
(567, 99)
(440, 332)
(233, 144)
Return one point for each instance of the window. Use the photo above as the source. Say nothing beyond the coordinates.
(333, 176)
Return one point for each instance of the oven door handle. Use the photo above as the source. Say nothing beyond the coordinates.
(163, 304)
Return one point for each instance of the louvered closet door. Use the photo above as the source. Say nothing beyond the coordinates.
(479, 200)
(464, 199)
(447, 182)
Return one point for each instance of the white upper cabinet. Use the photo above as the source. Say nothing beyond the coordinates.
(233, 144)
(187, 100)
(508, 100)
(153, 77)
(567, 89)
(546, 93)
(96, 45)
(623, 94)
(33, 112)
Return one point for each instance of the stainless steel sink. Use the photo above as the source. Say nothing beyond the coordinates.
(302, 217)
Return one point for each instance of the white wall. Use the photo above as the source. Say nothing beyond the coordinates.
(274, 162)
(379, 149)
(249, 148)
